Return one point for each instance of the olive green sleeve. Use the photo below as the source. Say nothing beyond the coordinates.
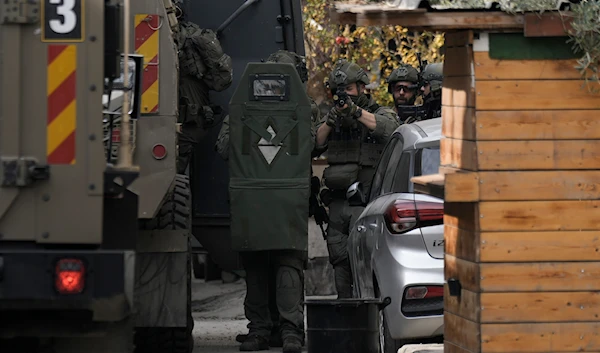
(222, 145)
(387, 122)
(315, 118)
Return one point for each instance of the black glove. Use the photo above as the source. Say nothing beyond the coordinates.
(320, 215)
(333, 116)
(350, 109)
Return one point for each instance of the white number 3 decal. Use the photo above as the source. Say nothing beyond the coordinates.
(64, 9)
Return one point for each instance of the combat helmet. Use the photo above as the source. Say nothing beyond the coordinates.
(433, 74)
(346, 73)
(405, 73)
(299, 62)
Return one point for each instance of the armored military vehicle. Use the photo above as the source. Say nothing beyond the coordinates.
(94, 236)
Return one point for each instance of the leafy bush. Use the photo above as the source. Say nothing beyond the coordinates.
(378, 50)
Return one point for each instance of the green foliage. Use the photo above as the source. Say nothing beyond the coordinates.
(585, 36)
(369, 47)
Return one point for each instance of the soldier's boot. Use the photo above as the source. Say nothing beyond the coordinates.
(254, 343)
(292, 344)
(274, 341)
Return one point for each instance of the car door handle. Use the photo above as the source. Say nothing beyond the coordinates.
(361, 228)
(373, 225)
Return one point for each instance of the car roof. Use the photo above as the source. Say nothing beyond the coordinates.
(421, 133)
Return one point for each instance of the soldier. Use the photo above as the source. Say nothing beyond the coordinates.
(403, 84)
(354, 135)
(286, 324)
(202, 67)
(432, 77)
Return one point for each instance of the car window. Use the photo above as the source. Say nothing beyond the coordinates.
(382, 165)
(391, 170)
(427, 161)
(403, 174)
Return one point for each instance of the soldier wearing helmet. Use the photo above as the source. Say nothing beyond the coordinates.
(353, 133)
(403, 85)
(432, 77)
(199, 72)
(284, 318)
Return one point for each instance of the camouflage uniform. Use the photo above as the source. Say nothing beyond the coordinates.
(277, 312)
(433, 76)
(196, 114)
(407, 112)
(353, 152)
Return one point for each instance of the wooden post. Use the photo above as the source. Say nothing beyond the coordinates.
(521, 158)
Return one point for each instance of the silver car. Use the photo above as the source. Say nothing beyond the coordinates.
(396, 246)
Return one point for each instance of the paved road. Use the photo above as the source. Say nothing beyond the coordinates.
(219, 317)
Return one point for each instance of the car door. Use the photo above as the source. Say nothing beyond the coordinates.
(427, 162)
(362, 234)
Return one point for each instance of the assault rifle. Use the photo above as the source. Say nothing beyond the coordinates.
(316, 209)
(422, 65)
(411, 113)
(339, 99)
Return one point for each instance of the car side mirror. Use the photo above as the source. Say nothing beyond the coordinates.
(355, 195)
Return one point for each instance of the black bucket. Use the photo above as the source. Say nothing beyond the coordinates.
(343, 325)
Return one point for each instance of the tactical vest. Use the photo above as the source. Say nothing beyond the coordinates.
(194, 102)
(190, 61)
(354, 145)
(433, 107)
(269, 159)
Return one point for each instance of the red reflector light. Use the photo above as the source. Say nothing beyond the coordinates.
(424, 292)
(404, 215)
(159, 151)
(70, 276)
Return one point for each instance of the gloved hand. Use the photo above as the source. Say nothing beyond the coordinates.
(333, 116)
(320, 215)
(350, 109)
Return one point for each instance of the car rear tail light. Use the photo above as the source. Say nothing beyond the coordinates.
(424, 292)
(70, 276)
(405, 215)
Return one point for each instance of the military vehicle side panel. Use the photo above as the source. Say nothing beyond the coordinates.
(270, 149)
(51, 116)
(28, 284)
(155, 126)
(251, 37)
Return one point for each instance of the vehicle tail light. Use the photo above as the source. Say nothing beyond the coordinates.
(404, 215)
(70, 276)
(159, 151)
(424, 292)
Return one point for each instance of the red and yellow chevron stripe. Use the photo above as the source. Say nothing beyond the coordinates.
(146, 44)
(61, 104)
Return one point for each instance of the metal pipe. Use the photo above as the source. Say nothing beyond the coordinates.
(125, 156)
(234, 15)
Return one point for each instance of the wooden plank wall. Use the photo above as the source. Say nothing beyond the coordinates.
(521, 155)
